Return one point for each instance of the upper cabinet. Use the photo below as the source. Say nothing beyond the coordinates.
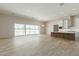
(68, 22)
(71, 21)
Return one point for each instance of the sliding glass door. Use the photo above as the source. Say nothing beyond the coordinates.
(19, 29)
(26, 29)
(37, 29)
(32, 29)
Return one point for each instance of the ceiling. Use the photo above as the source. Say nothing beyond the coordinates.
(40, 11)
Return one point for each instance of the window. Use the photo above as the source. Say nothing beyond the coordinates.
(32, 29)
(19, 29)
(37, 28)
(65, 22)
(26, 29)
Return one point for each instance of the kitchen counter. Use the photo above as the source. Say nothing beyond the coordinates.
(65, 35)
(64, 32)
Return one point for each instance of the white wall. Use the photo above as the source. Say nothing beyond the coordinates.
(7, 24)
(49, 25)
(75, 26)
(76, 22)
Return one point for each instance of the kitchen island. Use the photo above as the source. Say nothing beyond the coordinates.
(65, 35)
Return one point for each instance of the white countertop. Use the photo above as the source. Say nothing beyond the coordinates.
(66, 32)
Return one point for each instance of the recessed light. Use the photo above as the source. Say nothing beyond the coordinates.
(74, 9)
(42, 25)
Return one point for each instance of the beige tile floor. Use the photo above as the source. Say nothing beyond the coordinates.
(38, 45)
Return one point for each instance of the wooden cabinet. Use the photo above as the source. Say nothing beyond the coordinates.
(63, 35)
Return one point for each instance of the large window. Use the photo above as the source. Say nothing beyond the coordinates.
(32, 29)
(26, 29)
(19, 29)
